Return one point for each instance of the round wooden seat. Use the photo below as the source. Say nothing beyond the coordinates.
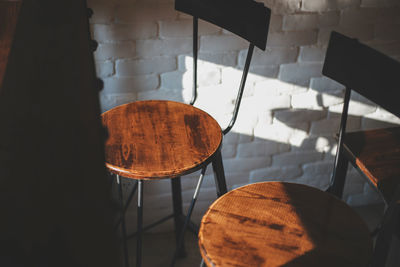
(283, 224)
(159, 139)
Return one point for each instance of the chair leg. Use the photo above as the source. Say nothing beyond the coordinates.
(128, 201)
(188, 216)
(178, 213)
(219, 175)
(123, 224)
(139, 224)
(339, 177)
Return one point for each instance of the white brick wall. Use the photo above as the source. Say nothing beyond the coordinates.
(290, 112)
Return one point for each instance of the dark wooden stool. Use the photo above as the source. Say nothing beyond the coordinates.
(151, 140)
(283, 224)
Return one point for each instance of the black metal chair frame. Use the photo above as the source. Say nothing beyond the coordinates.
(249, 20)
(349, 62)
(363, 70)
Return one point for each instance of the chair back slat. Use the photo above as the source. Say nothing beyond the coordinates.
(365, 70)
(246, 18)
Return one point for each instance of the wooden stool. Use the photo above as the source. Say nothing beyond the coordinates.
(151, 140)
(283, 224)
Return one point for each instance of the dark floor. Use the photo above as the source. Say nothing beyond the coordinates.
(158, 248)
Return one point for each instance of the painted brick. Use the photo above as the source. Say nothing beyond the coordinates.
(298, 138)
(232, 77)
(231, 138)
(275, 23)
(296, 158)
(264, 116)
(355, 108)
(130, 84)
(318, 168)
(124, 32)
(277, 132)
(366, 198)
(354, 183)
(387, 32)
(312, 54)
(263, 72)
(282, 6)
(272, 56)
(299, 73)
(299, 115)
(273, 87)
(217, 100)
(307, 100)
(179, 79)
(235, 178)
(161, 94)
(174, 80)
(327, 5)
(318, 181)
(108, 101)
(248, 113)
(246, 164)
(331, 98)
(379, 119)
(145, 66)
(300, 22)
(145, 12)
(264, 148)
(320, 144)
(318, 5)
(185, 62)
(388, 15)
(184, 28)
(207, 76)
(272, 103)
(353, 122)
(228, 151)
(292, 38)
(325, 84)
(379, 3)
(330, 125)
(115, 50)
(104, 68)
(163, 47)
(358, 16)
(222, 43)
(328, 19)
(275, 174)
(325, 127)
(362, 32)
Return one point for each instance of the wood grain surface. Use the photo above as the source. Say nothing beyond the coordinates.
(159, 139)
(377, 154)
(8, 20)
(283, 224)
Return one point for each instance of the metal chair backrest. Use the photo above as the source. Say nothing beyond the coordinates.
(366, 71)
(246, 18)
